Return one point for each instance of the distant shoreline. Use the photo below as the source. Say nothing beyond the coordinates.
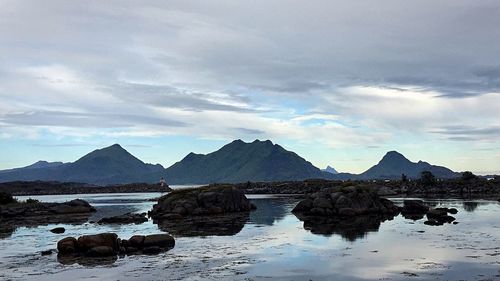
(443, 190)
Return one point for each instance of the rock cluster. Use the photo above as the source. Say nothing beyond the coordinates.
(350, 212)
(127, 218)
(108, 244)
(346, 202)
(23, 210)
(416, 209)
(211, 200)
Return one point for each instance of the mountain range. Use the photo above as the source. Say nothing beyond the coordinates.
(235, 162)
(240, 162)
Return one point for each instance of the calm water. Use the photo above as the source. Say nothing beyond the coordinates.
(272, 244)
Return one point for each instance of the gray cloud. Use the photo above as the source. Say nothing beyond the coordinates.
(94, 120)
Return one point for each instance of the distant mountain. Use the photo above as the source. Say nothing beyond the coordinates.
(330, 170)
(393, 164)
(239, 161)
(36, 165)
(110, 165)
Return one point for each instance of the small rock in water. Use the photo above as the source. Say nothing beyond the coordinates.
(58, 230)
(47, 253)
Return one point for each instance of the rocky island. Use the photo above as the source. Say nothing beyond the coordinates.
(210, 210)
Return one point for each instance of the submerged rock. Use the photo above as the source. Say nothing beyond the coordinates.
(209, 200)
(125, 219)
(58, 230)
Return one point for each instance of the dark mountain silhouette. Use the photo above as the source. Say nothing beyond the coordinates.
(110, 165)
(240, 162)
(36, 165)
(330, 169)
(235, 162)
(393, 164)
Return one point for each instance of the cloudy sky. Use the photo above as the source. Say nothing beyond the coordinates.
(338, 82)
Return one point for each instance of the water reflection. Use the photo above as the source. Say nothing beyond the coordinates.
(470, 206)
(218, 225)
(348, 228)
(271, 210)
(86, 261)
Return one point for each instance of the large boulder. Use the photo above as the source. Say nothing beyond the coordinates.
(88, 242)
(211, 200)
(67, 245)
(159, 240)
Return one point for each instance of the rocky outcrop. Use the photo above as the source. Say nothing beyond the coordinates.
(215, 200)
(345, 202)
(108, 244)
(17, 215)
(416, 210)
(127, 218)
(439, 216)
(24, 210)
(350, 212)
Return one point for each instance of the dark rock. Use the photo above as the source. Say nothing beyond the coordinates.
(88, 242)
(67, 245)
(350, 212)
(348, 202)
(414, 207)
(47, 253)
(433, 222)
(439, 215)
(125, 219)
(101, 251)
(303, 206)
(137, 241)
(58, 230)
(151, 250)
(201, 201)
(159, 240)
(72, 250)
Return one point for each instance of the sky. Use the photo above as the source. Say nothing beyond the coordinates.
(338, 82)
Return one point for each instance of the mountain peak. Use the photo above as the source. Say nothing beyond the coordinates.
(330, 169)
(394, 156)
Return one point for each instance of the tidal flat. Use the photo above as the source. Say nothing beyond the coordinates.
(271, 244)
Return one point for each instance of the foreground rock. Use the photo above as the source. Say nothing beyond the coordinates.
(127, 218)
(109, 245)
(201, 201)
